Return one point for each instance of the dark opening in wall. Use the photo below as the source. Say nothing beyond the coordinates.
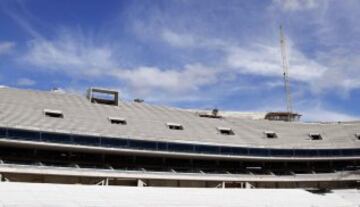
(357, 135)
(53, 113)
(174, 126)
(270, 134)
(225, 131)
(117, 120)
(315, 136)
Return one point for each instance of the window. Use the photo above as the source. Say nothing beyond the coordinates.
(86, 140)
(305, 153)
(226, 150)
(114, 142)
(207, 149)
(23, 134)
(139, 144)
(53, 113)
(270, 134)
(315, 136)
(175, 126)
(2, 132)
(162, 146)
(117, 120)
(240, 151)
(55, 137)
(180, 147)
(225, 131)
(281, 152)
(258, 152)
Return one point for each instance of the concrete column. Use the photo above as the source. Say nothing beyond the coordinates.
(248, 185)
(141, 183)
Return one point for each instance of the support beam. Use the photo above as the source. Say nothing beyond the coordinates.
(221, 185)
(104, 182)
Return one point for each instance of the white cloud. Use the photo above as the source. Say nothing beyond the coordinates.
(79, 56)
(190, 78)
(297, 5)
(343, 71)
(255, 59)
(265, 60)
(322, 73)
(186, 40)
(25, 82)
(320, 114)
(6, 47)
(177, 40)
(71, 54)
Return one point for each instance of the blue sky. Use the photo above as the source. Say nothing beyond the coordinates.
(190, 54)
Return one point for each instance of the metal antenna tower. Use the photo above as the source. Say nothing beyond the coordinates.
(285, 64)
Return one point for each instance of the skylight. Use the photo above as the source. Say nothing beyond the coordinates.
(225, 131)
(175, 126)
(315, 136)
(270, 134)
(117, 120)
(53, 113)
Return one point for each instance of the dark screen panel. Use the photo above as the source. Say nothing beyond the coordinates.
(207, 149)
(24, 134)
(226, 150)
(240, 151)
(305, 153)
(86, 140)
(180, 147)
(162, 146)
(55, 137)
(139, 144)
(2, 132)
(114, 142)
(258, 152)
(281, 152)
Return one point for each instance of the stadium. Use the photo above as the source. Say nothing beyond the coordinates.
(52, 137)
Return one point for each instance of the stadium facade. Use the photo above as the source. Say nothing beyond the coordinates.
(54, 137)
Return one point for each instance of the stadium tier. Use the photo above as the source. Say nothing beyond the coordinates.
(64, 138)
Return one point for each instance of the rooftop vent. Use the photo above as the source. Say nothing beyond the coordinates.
(117, 120)
(315, 136)
(282, 116)
(175, 126)
(57, 90)
(270, 134)
(225, 131)
(139, 100)
(53, 113)
(103, 96)
(213, 114)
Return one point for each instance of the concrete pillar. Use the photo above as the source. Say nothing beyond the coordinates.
(248, 185)
(141, 183)
(221, 185)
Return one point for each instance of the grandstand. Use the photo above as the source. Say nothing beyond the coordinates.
(51, 137)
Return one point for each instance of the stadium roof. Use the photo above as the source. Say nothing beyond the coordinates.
(61, 112)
